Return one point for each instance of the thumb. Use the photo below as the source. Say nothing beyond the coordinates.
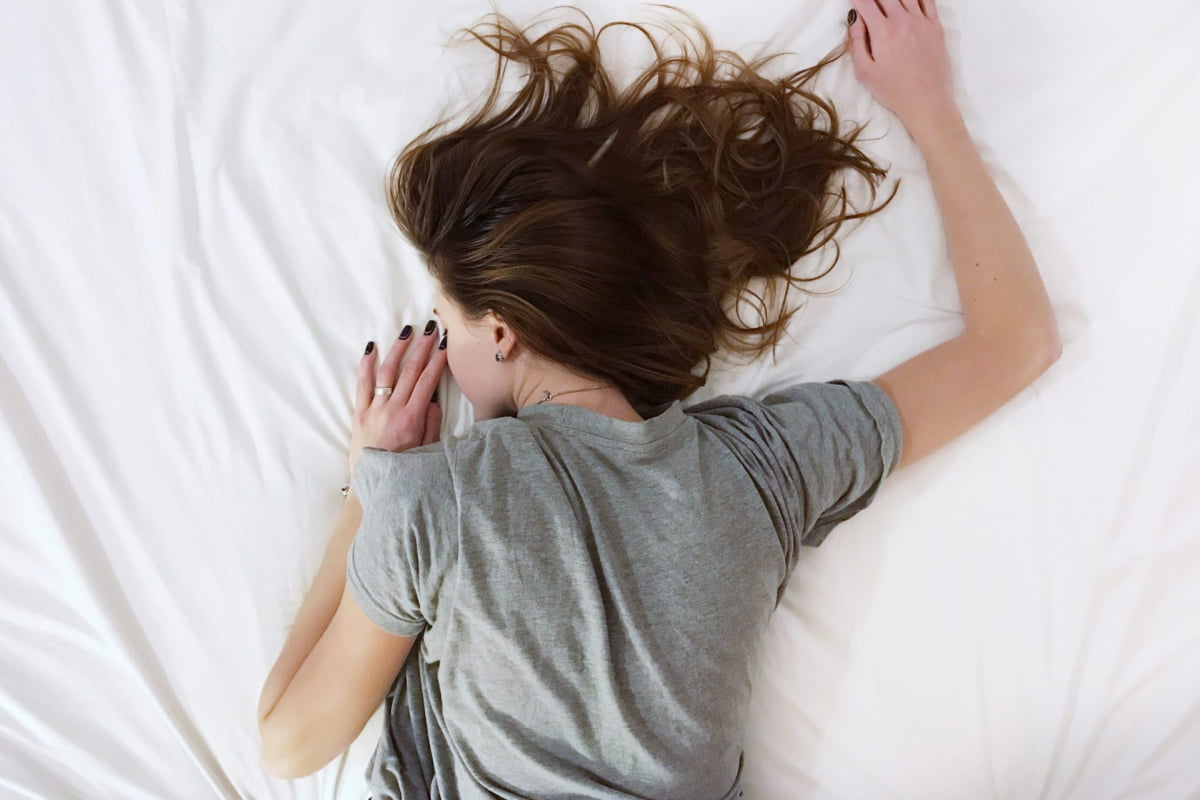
(433, 423)
(858, 44)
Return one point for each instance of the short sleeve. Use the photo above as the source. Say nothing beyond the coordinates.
(406, 543)
(817, 451)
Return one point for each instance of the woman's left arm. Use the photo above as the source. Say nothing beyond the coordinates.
(336, 664)
(318, 608)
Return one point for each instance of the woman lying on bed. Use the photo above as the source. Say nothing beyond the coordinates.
(590, 569)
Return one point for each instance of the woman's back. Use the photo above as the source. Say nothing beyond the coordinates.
(593, 591)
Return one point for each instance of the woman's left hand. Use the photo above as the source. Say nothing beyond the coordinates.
(405, 418)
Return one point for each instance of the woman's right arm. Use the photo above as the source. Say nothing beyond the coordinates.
(1010, 335)
(998, 281)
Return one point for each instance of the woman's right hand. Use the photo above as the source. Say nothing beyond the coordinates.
(899, 53)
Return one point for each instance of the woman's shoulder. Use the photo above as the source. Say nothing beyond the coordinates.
(437, 463)
(417, 472)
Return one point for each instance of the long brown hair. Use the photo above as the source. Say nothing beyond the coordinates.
(609, 228)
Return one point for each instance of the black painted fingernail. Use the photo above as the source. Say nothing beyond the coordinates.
(442, 343)
(370, 347)
(406, 331)
(853, 15)
(430, 326)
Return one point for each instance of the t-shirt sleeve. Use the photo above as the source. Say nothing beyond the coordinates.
(817, 451)
(406, 542)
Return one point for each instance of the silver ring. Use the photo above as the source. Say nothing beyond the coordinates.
(382, 390)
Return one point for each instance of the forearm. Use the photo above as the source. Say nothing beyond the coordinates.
(318, 608)
(999, 285)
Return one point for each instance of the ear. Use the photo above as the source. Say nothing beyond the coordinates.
(499, 332)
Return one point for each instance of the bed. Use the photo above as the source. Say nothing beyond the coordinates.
(195, 250)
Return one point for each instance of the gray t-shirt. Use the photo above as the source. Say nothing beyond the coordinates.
(592, 592)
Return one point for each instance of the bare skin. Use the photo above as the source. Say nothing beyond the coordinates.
(899, 54)
(500, 388)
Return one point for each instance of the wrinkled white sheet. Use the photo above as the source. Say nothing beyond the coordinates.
(194, 250)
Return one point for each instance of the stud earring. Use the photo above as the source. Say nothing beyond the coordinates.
(499, 356)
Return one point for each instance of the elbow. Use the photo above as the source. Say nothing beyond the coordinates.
(1050, 348)
(1041, 342)
(1034, 355)
(279, 756)
(273, 755)
(285, 765)
(1046, 352)
(278, 769)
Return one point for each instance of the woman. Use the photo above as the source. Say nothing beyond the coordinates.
(589, 570)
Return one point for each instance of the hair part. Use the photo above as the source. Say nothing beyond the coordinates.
(609, 228)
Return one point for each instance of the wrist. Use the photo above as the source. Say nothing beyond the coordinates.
(937, 129)
(349, 515)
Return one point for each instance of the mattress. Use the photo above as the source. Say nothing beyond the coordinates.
(194, 249)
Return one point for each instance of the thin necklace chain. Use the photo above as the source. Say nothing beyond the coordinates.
(547, 395)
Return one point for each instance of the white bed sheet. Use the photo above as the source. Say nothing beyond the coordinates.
(194, 249)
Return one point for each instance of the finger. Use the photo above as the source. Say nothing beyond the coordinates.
(430, 376)
(386, 376)
(859, 51)
(433, 424)
(413, 365)
(890, 8)
(929, 8)
(868, 12)
(366, 378)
